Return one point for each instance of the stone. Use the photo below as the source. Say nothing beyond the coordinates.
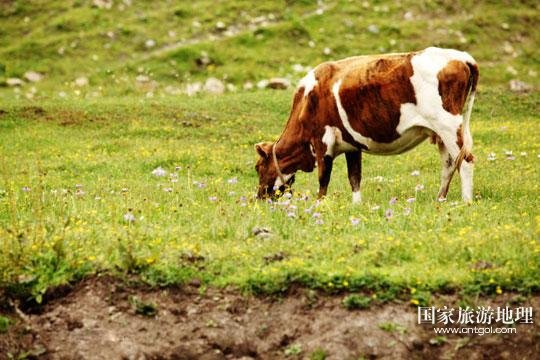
(81, 81)
(278, 83)
(214, 86)
(33, 76)
(519, 86)
(14, 82)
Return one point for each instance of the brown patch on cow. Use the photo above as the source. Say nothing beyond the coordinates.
(372, 96)
(435, 139)
(454, 85)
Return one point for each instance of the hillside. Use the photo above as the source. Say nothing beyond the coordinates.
(173, 44)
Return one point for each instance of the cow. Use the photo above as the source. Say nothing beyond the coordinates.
(378, 104)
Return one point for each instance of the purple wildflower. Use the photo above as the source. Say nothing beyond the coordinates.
(393, 200)
(317, 215)
(411, 200)
(354, 221)
(199, 184)
(389, 214)
(419, 187)
(129, 217)
(319, 221)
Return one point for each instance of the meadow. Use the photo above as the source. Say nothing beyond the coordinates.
(138, 179)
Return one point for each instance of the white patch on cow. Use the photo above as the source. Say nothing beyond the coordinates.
(329, 139)
(312, 149)
(356, 197)
(278, 182)
(335, 145)
(308, 82)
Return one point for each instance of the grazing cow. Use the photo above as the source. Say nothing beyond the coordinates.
(378, 104)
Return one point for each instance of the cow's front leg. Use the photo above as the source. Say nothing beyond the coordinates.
(354, 170)
(324, 164)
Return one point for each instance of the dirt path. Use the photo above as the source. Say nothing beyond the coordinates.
(102, 318)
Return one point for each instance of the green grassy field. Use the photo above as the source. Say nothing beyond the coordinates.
(77, 189)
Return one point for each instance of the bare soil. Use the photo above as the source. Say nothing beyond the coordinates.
(104, 318)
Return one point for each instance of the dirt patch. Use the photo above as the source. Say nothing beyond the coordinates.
(63, 117)
(102, 318)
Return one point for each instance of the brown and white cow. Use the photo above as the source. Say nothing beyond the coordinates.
(378, 104)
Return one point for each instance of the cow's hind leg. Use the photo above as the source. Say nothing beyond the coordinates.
(446, 170)
(354, 170)
(449, 130)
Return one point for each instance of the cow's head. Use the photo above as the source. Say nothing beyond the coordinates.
(269, 178)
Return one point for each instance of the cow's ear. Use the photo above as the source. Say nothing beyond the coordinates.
(263, 149)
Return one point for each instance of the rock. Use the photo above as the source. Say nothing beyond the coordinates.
(374, 29)
(220, 25)
(510, 69)
(33, 76)
(508, 48)
(214, 86)
(81, 81)
(194, 88)
(278, 83)
(298, 68)
(142, 79)
(14, 82)
(203, 60)
(102, 4)
(519, 86)
(408, 16)
(150, 43)
(262, 84)
(261, 232)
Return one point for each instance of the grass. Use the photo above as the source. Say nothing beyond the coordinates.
(75, 170)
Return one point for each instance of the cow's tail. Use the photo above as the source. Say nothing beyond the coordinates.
(466, 150)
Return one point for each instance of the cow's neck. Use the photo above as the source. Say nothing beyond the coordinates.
(293, 152)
